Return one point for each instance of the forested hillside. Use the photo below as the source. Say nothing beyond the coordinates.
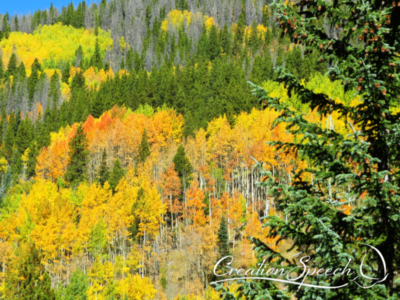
(128, 136)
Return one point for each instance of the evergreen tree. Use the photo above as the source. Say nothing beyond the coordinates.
(223, 242)
(42, 135)
(104, 174)
(78, 56)
(225, 39)
(54, 92)
(1, 65)
(253, 41)
(241, 25)
(22, 70)
(268, 67)
(16, 166)
(148, 16)
(214, 47)
(96, 109)
(80, 16)
(24, 135)
(78, 153)
(9, 142)
(34, 78)
(32, 161)
(116, 175)
(357, 170)
(256, 75)
(134, 227)
(80, 107)
(268, 37)
(77, 287)
(96, 59)
(279, 57)
(183, 167)
(3, 125)
(180, 101)
(31, 280)
(144, 148)
(65, 73)
(12, 66)
(6, 183)
(265, 17)
(294, 62)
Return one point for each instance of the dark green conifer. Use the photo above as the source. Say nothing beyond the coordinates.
(96, 109)
(117, 173)
(9, 141)
(214, 47)
(34, 78)
(104, 173)
(65, 73)
(31, 164)
(1, 65)
(241, 27)
(279, 57)
(78, 153)
(134, 228)
(355, 168)
(223, 241)
(96, 59)
(144, 148)
(22, 71)
(16, 166)
(225, 39)
(12, 66)
(183, 167)
(24, 135)
(43, 135)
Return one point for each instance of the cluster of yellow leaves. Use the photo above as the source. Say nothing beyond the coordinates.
(55, 42)
(254, 228)
(232, 147)
(92, 78)
(106, 276)
(177, 18)
(47, 216)
(261, 30)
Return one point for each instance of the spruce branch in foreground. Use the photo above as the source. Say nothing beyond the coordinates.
(361, 169)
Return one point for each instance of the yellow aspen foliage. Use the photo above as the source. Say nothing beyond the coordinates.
(255, 229)
(41, 217)
(234, 210)
(94, 205)
(129, 264)
(93, 79)
(149, 210)
(176, 18)
(52, 44)
(117, 214)
(100, 276)
(209, 22)
(136, 288)
(247, 253)
(3, 164)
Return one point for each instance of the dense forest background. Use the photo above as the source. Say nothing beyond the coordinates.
(127, 130)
